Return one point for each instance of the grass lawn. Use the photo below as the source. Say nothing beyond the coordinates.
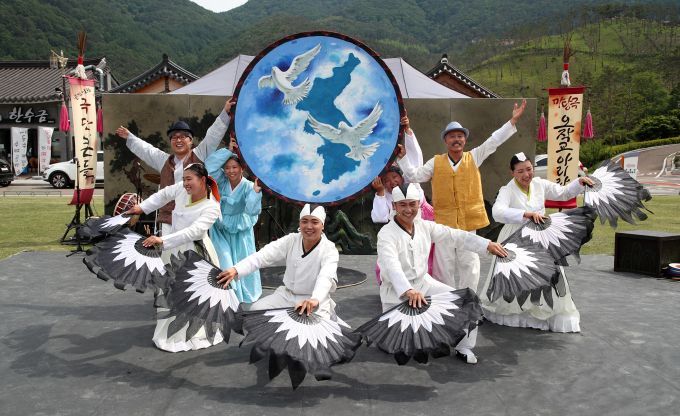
(666, 218)
(37, 223)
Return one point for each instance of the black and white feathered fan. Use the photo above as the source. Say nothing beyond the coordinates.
(562, 234)
(527, 270)
(616, 194)
(304, 344)
(412, 332)
(108, 225)
(123, 259)
(191, 292)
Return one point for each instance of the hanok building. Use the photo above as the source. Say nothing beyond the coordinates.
(31, 96)
(455, 79)
(165, 77)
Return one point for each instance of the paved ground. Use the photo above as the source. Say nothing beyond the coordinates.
(72, 344)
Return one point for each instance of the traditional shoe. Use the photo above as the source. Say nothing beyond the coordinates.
(467, 356)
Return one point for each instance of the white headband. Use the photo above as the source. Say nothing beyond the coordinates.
(521, 156)
(318, 212)
(405, 191)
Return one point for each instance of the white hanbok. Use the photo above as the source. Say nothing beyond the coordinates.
(308, 275)
(402, 258)
(446, 258)
(511, 204)
(190, 225)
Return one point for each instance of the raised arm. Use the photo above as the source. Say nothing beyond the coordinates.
(480, 153)
(215, 133)
(412, 173)
(151, 155)
(215, 166)
(253, 199)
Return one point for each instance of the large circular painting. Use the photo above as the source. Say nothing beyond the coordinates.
(317, 117)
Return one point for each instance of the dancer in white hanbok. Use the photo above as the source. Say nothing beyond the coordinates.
(311, 268)
(196, 210)
(403, 249)
(523, 199)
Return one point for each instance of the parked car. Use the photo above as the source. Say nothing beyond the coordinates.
(541, 167)
(62, 175)
(6, 174)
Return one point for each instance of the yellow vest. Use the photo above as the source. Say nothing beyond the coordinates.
(457, 195)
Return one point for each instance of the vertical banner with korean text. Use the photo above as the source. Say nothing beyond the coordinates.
(84, 129)
(564, 134)
(44, 147)
(19, 145)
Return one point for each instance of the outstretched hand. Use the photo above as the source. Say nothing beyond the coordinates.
(407, 125)
(415, 298)
(122, 132)
(229, 103)
(307, 305)
(378, 186)
(256, 186)
(497, 249)
(136, 210)
(535, 217)
(233, 146)
(401, 152)
(586, 181)
(152, 241)
(517, 112)
(227, 276)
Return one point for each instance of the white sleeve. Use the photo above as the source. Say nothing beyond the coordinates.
(555, 192)
(195, 231)
(390, 266)
(326, 281)
(272, 252)
(213, 137)
(416, 174)
(480, 153)
(152, 156)
(441, 234)
(162, 197)
(413, 152)
(381, 209)
(501, 209)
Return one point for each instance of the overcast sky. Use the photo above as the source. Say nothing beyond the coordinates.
(219, 5)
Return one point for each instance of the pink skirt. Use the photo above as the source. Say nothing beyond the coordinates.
(426, 213)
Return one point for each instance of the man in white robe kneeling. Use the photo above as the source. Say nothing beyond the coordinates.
(403, 249)
(311, 268)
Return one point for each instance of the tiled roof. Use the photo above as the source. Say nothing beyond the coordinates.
(166, 68)
(35, 81)
(445, 66)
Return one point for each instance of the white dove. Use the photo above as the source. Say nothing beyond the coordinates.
(351, 136)
(283, 80)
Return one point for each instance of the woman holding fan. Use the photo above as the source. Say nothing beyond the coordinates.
(521, 200)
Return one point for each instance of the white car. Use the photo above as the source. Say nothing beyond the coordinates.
(541, 167)
(62, 175)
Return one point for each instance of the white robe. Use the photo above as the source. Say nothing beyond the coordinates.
(446, 258)
(509, 208)
(311, 275)
(402, 258)
(190, 222)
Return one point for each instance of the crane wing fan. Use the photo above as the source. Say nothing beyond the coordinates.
(528, 269)
(411, 332)
(616, 195)
(562, 234)
(304, 344)
(123, 259)
(191, 292)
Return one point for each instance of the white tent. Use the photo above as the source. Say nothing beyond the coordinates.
(412, 83)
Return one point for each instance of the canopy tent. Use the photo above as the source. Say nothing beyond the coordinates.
(412, 83)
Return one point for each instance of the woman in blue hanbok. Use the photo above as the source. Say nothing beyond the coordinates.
(241, 204)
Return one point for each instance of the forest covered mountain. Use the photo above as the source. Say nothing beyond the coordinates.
(133, 34)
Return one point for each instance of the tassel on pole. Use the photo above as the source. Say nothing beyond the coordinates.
(100, 121)
(542, 130)
(64, 124)
(588, 127)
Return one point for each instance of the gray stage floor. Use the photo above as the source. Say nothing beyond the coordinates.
(73, 344)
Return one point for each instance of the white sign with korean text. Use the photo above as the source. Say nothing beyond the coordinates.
(19, 145)
(44, 147)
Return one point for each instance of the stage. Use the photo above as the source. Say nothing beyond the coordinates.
(73, 344)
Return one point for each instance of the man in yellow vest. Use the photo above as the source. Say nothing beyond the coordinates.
(457, 195)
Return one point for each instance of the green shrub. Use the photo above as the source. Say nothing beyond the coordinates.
(657, 127)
